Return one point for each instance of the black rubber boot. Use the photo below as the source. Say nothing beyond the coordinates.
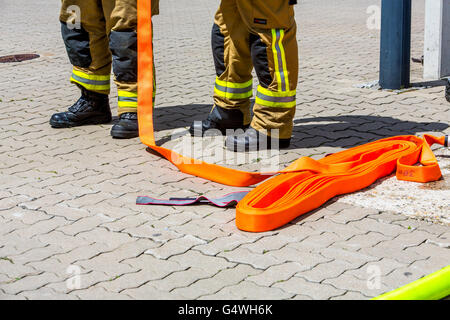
(447, 91)
(252, 140)
(219, 119)
(127, 127)
(91, 108)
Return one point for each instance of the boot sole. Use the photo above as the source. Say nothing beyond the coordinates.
(90, 121)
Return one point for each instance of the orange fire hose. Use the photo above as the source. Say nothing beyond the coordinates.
(304, 185)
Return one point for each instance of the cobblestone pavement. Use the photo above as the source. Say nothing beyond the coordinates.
(67, 196)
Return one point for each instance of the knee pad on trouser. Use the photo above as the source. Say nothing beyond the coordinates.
(218, 49)
(77, 45)
(123, 45)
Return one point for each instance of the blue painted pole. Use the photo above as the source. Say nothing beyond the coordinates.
(395, 49)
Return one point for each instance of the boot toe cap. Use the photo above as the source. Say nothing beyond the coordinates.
(59, 119)
(125, 129)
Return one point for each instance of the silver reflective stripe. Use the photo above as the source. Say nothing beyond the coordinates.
(275, 99)
(93, 82)
(129, 99)
(233, 90)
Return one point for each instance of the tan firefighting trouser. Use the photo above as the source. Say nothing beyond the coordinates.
(257, 34)
(98, 33)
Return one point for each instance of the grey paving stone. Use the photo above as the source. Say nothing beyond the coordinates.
(210, 286)
(327, 270)
(403, 276)
(256, 260)
(382, 267)
(249, 290)
(363, 287)
(278, 273)
(210, 264)
(359, 241)
(46, 294)
(351, 296)
(223, 244)
(386, 229)
(147, 292)
(355, 258)
(29, 282)
(303, 287)
(175, 247)
(99, 293)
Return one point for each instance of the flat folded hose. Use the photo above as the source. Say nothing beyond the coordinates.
(304, 185)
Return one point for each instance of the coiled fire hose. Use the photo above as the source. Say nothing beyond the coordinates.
(304, 185)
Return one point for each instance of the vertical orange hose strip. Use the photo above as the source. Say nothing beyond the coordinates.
(145, 72)
(145, 115)
(304, 185)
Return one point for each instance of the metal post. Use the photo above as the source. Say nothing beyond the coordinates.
(437, 39)
(395, 50)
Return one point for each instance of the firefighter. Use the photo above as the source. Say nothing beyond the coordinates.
(99, 34)
(257, 34)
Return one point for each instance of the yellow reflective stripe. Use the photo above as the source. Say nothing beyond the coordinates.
(230, 95)
(286, 99)
(275, 104)
(127, 94)
(91, 82)
(233, 90)
(283, 58)
(275, 56)
(281, 71)
(267, 92)
(127, 99)
(234, 84)
(128, 104)
(91, 76)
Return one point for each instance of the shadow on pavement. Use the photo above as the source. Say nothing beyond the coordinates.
(352, 130)
(174, 117)
(429, 84)
(332, 131)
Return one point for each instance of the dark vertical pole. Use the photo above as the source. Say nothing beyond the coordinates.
(395, 51)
